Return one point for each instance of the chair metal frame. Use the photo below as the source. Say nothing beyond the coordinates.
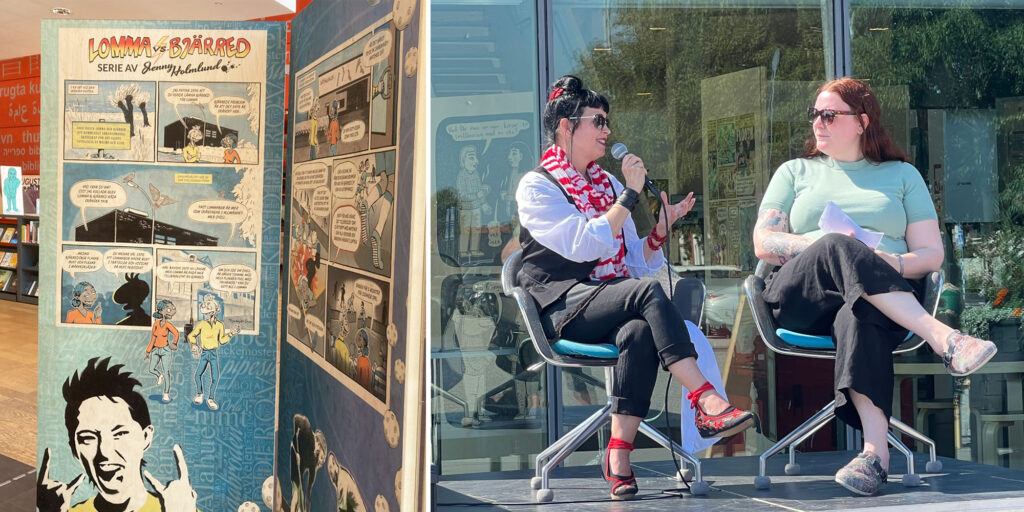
(554, 454)
(753, 286)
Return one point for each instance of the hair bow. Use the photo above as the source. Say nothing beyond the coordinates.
(556, 93)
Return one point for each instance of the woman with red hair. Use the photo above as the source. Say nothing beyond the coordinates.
(834, 284)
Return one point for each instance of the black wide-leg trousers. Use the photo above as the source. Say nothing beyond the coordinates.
(637, 316)
(820, 292)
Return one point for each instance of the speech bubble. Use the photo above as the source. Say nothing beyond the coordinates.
(233, 278)
(188, 94)
(218, 211)
(344, 180)
(83, 89)
(75, 261)
(369, 291)
(487, 130)
(294, 313)
(315, 325)
(310, 175)
(96, 194)
(304, 101)
(377, 48)
(346, 229)
(127, 261)
(183, 272)
(228, 106)
(100, 135)
(353, 131)
(321, 203)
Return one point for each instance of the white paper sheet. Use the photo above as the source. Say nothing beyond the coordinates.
(835, 220)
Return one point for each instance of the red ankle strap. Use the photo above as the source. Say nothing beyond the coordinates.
(694, 395)
(618, 444)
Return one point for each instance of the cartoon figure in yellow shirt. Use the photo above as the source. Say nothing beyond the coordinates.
(109, 431)
(191, 151)
(206, 338)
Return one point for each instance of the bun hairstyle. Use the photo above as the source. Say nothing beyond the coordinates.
(568, 98)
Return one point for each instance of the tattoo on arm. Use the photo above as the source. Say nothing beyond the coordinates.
(774, 236)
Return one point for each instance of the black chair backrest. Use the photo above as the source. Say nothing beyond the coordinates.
(753, 286)
(528, 308)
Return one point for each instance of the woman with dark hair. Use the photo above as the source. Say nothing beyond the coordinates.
(165, 337)
(834, 284)
(586, 267)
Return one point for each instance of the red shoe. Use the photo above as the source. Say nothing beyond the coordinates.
(623, 487)
(724, 424)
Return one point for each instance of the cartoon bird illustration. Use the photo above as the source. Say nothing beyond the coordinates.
(158, 198)
(130, 180)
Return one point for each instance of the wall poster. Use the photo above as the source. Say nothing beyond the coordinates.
(349, 225)
(158, 340)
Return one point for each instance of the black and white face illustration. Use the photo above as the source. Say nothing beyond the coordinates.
(110, 445)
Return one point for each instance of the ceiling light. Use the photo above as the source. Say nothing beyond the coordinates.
(603, 49)
(878, 29)
(656, 29)
(61, 11)
(644, 93)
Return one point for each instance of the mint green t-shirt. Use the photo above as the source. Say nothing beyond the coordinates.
(881, 197)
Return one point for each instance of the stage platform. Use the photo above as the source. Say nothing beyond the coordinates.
(960, 486)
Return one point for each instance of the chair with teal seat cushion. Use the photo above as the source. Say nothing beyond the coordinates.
(813, 341)
(567, 353)
(784, 341)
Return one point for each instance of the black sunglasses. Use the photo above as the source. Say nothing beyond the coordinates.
(600, 120)
(828, 116)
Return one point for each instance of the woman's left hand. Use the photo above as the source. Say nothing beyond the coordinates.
(674, 211)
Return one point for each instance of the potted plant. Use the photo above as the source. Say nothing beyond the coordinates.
(1001, 281)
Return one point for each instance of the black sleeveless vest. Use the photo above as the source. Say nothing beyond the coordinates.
(546, 275)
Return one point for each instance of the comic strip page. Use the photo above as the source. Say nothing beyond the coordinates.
(160, 247)
(348, 286)
(342, 202)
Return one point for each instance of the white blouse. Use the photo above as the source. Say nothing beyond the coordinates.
(559, 226)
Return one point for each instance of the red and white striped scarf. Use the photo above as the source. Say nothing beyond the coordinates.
(593, 199)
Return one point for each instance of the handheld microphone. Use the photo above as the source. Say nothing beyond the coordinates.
(619, 152)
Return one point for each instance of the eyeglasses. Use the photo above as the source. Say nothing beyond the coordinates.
(828, 116)
(600, 120)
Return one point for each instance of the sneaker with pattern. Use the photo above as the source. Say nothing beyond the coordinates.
(965, 354)
(863, 475)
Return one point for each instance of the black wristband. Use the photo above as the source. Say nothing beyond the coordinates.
(628, 198)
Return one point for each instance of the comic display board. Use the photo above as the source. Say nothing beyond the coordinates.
(349, 227)
(161, 150)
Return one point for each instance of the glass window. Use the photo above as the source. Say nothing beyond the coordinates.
(489, 411)
(713, 99)
(950, 75)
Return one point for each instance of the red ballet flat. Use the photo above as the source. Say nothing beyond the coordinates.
(724, 424)
(622, 487)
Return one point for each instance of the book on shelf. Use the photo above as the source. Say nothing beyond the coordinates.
(8, 235)
(5, 275)
(5, 259)
(12, 284)
(32, 288)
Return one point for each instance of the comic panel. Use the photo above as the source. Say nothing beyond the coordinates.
(157, 205)
(106, 285)
(186, 279)
(307, 282)
(362, 227)
(346, 102)
(477, 212)
(109, 120)
(210, 122)
(357, 342)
